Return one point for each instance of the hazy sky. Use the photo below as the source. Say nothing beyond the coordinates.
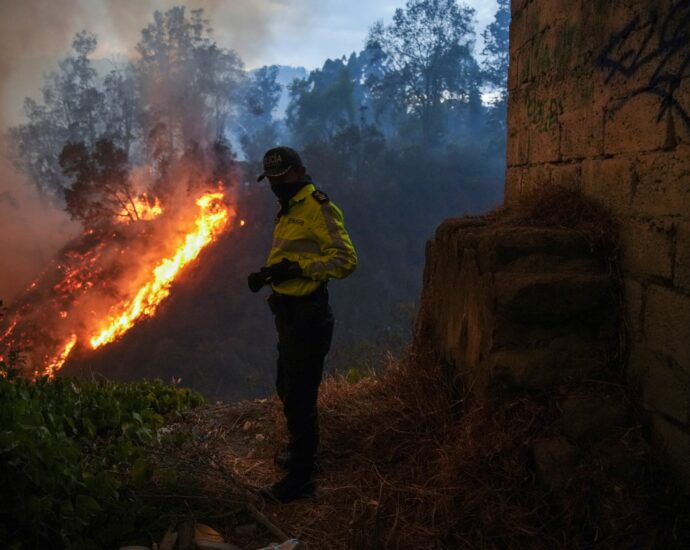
(34, 34)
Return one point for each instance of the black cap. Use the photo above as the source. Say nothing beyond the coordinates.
(278, 161)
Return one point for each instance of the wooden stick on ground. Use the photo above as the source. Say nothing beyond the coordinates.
(272, 527)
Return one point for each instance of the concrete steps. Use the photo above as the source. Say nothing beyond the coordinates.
(522, 307)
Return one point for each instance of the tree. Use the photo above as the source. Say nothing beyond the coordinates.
(426, 56)
(101, 191)
(496, 50)
(189, 85)
(72, 110)
(122, 107)
(257, 129)
(322, 104)
(495, 68)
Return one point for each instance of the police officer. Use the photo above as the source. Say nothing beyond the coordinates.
(310, 246)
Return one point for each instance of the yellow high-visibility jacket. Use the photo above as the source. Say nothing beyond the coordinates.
(312, 233)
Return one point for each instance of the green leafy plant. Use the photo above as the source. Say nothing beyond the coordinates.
(71, 452)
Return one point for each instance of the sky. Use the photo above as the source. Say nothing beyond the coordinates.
(34, 34)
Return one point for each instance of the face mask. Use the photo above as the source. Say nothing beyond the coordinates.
(285, 191)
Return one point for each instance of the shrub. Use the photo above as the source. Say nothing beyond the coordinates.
(70, 453)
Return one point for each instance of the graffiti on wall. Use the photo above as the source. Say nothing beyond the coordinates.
(660, 44)
(543, 114)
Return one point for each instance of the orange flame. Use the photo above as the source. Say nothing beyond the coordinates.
(141, 208)
(56, 363)
(210, 223)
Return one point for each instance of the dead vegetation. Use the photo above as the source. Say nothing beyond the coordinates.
(412, 460)
(406, 464)
(562, 207)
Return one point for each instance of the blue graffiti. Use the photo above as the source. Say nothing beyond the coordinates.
(663, 43)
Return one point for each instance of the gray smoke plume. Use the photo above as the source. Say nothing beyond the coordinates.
(34, 36)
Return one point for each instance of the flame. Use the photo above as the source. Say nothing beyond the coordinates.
(9, 329)
(56, 363)
(242, 222)
(142, 207)
(211, 221)
(85, 271)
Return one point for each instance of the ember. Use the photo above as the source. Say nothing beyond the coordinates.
(75, 298)
(211, 221)
(57, 362)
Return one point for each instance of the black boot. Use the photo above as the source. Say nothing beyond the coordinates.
(282, 460)
(291, 487)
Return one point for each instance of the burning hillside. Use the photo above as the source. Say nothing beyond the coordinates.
(109, 279)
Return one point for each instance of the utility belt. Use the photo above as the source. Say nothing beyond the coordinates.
(279, 302)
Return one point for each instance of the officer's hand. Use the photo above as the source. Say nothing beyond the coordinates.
(256, 281)
(284, 271)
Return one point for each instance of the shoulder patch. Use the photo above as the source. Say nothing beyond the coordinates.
(320, 196)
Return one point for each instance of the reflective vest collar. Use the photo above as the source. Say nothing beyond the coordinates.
(303, 193)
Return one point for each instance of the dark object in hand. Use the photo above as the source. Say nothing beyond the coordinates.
(256, 281)
(283, 271)
(276, 274)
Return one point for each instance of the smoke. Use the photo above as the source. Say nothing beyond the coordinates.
(31, 231)
(34, 36)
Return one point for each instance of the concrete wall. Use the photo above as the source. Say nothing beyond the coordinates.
(600, 100)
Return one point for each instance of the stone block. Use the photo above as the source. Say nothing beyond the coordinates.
(515, 306)
(593, 416)
(634, 313)
(622, 82)
(536, 176)
(681, 269)
(675, 443)
(568, 35)
(663, 183)
(541, 250)
(544, 145)
(544, 14)
(540, 368)
(667, 324)
(646, 249)
(544, 106)
(555, 459)
(546, 297)
(518, 28)
(610, 182)
(516, 6)
(541, 57)
(513, 186)
(665, 390)
(582, 133)
(513, 71)
(518, 147)
(518, 105)
(533, 25)
(506, 334)
(523, 57)
(631, 126)
(600, 21)
(681, 126)
(640, 359)
(567, 175)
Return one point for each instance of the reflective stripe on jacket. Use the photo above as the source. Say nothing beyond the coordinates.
(312, 233)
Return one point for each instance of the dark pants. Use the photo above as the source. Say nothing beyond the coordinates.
(305, 328)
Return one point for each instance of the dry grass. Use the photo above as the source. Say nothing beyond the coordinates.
(405, 466)
(408, 463)
(562, 207)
